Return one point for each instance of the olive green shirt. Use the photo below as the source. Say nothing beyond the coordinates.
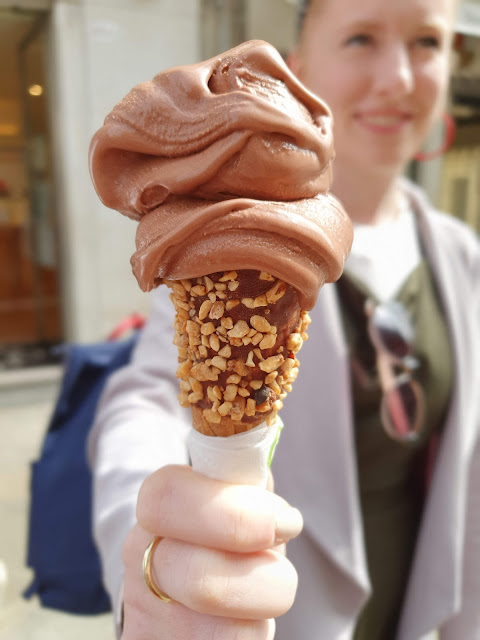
(392, 476)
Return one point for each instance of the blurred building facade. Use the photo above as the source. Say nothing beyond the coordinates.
(64, 257)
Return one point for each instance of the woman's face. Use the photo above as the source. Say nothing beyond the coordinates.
(382, 66)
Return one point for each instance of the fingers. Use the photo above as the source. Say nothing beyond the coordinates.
(176, 502)
(182, 623)
(251, 586)
(148, 618)
(221, 559)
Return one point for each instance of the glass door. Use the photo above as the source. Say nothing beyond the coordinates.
(30, 318)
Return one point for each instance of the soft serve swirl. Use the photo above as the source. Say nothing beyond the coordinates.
(226, 164)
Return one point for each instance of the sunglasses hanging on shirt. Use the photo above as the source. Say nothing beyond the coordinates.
(392, 334)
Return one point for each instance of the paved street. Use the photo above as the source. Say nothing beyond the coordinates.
(22, 426)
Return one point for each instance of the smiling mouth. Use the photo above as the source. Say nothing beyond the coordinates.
(385, 122)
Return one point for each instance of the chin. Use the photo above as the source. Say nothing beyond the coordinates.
(393, 158)
(381, 164)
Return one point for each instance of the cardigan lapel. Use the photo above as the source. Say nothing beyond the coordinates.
(316, 461)
(434, 589)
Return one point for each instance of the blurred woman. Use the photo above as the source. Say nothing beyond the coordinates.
(386, 472)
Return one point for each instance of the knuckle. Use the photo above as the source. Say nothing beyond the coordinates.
(205, 594)
(250, 532)
(155, 499)
(207, 601)
(206, 582)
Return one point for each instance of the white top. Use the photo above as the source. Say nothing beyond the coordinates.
(383, 256)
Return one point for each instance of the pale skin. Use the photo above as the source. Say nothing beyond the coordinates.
(222, 559)
(383, 69)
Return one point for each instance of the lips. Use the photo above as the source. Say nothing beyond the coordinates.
(383, 121)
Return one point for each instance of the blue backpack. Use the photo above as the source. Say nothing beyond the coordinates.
(61, 550)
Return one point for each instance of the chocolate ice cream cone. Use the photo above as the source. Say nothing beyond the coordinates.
(226, 165)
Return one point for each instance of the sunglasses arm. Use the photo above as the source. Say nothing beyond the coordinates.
(391, 394)
(386, 373)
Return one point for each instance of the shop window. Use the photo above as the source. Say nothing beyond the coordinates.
(30, 318)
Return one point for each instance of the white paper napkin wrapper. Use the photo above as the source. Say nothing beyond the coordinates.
(244, 458)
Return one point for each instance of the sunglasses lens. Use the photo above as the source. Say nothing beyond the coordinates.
(392, 334)
(393, 342)
(392, 325)
(402, 411)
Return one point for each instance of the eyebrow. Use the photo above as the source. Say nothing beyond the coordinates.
(375, 25)
(438, 23)
(361, 24)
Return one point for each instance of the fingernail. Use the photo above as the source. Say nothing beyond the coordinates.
(289, 524)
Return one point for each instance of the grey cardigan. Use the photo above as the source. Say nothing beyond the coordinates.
(140, 427)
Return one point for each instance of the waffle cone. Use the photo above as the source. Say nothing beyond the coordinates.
(237, 334)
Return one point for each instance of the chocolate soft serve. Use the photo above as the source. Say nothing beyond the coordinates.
(226, 164)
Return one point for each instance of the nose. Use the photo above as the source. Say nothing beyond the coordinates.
(394, 74)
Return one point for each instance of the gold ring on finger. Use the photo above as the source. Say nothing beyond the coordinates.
(147, 570)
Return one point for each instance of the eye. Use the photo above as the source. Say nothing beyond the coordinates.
(429, 42)
(359, 40)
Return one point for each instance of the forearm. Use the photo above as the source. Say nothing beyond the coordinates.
(124, 452)
(139, 427)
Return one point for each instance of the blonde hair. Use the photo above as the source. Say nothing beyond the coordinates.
(303, 8)
(305, 5)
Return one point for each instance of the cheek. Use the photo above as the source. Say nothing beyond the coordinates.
(334, 82)
(341, 89)
(432, 85)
